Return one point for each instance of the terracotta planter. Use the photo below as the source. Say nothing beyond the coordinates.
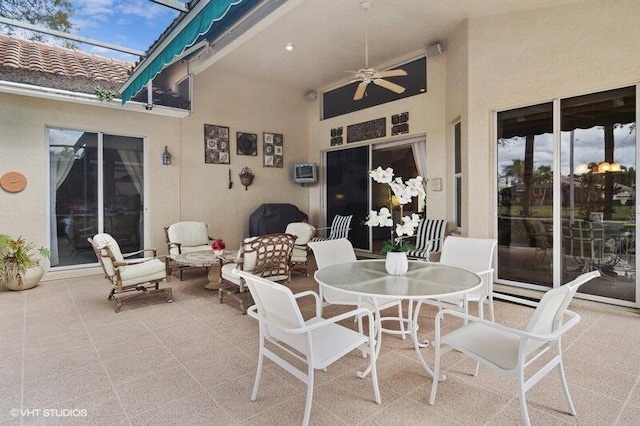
(30, 279)
(397, 263)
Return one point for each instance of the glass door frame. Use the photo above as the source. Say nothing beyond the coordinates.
(557, 202)
(100, 190)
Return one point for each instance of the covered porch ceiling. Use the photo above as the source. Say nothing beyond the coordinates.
(329, 37)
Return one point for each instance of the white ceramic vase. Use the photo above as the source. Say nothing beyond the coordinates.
(30, 279)
(396, 263)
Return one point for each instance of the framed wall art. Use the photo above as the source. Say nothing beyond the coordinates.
(216, 144)
(246, 143)
(272, 150)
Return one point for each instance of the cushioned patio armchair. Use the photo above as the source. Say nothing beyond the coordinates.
(185, 237)
(267, 256)
(141, 276)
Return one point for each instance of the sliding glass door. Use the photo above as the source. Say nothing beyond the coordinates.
(348, 189)
(593, 217)
(96, 185)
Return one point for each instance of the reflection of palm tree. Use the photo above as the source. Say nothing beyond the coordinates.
(515, 170)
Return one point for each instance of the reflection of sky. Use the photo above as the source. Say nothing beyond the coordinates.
(64, 137)
(588, 148)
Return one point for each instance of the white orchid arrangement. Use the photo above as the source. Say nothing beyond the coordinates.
(404, 191)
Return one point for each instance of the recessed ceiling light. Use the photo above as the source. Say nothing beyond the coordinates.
(289, 47)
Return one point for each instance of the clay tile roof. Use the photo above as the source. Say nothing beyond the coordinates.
(36, 56)
(35, 63)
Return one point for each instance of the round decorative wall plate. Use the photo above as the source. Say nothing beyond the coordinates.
(13, 182)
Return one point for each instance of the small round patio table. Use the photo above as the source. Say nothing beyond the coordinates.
(208, 259)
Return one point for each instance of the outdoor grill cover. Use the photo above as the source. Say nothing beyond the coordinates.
(270, 218)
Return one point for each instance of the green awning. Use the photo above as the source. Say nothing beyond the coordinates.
(196, 23)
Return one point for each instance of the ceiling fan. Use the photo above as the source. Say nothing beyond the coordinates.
(368, 75)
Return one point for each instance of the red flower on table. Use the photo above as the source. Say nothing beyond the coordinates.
(218, 245)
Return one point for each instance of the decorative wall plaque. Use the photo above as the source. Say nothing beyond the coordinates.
(13, 182)
(216, 144)
(368, 130)
(272, 150)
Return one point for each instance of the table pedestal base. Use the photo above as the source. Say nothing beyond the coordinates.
(214, 278)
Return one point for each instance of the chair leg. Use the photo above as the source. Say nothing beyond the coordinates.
(307, 406)
(523, 401)
(256, 383)
(565, 387)
(493, 317)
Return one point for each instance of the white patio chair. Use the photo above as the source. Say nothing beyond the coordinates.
(340, 227)
(510, 350)
(141, 276)
(475, 255)
(304, 232)
(430, 236)
(317, 342)
(334, 252)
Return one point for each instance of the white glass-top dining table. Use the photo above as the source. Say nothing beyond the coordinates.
(424, 280)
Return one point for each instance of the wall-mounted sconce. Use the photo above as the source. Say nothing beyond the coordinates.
(166, 157)
(246, 177)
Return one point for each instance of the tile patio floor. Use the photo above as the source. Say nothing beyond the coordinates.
(192, 362)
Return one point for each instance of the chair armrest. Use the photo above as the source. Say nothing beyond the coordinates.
(574, 319)
(314, 295)
(133, 253)
(253, 312)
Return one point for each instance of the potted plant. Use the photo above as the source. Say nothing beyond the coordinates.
(396, 247)
(19, 263)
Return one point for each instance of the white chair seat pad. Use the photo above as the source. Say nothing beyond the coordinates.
(153, 269)
(500, 347)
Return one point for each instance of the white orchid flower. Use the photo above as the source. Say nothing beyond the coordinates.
(415, 186)
(382, 176)
(382, 218)
(405, 227)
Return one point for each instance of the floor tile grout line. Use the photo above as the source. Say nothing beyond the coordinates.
(626, 401)
(95, 348)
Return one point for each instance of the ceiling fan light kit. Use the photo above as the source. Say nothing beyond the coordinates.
(368, 75)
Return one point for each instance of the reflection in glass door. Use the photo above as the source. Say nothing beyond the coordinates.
(595, 211)
(525, 195)
(96, 185)
(598, 152)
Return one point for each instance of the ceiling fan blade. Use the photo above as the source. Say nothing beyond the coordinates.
(392, 73)
(389, 85)
(360, 91)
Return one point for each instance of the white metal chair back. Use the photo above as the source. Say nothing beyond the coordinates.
(334, 252)
(475, 255)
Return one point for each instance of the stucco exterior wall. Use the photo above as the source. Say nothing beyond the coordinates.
(23, 123)
(188, 189)
(522, 59)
